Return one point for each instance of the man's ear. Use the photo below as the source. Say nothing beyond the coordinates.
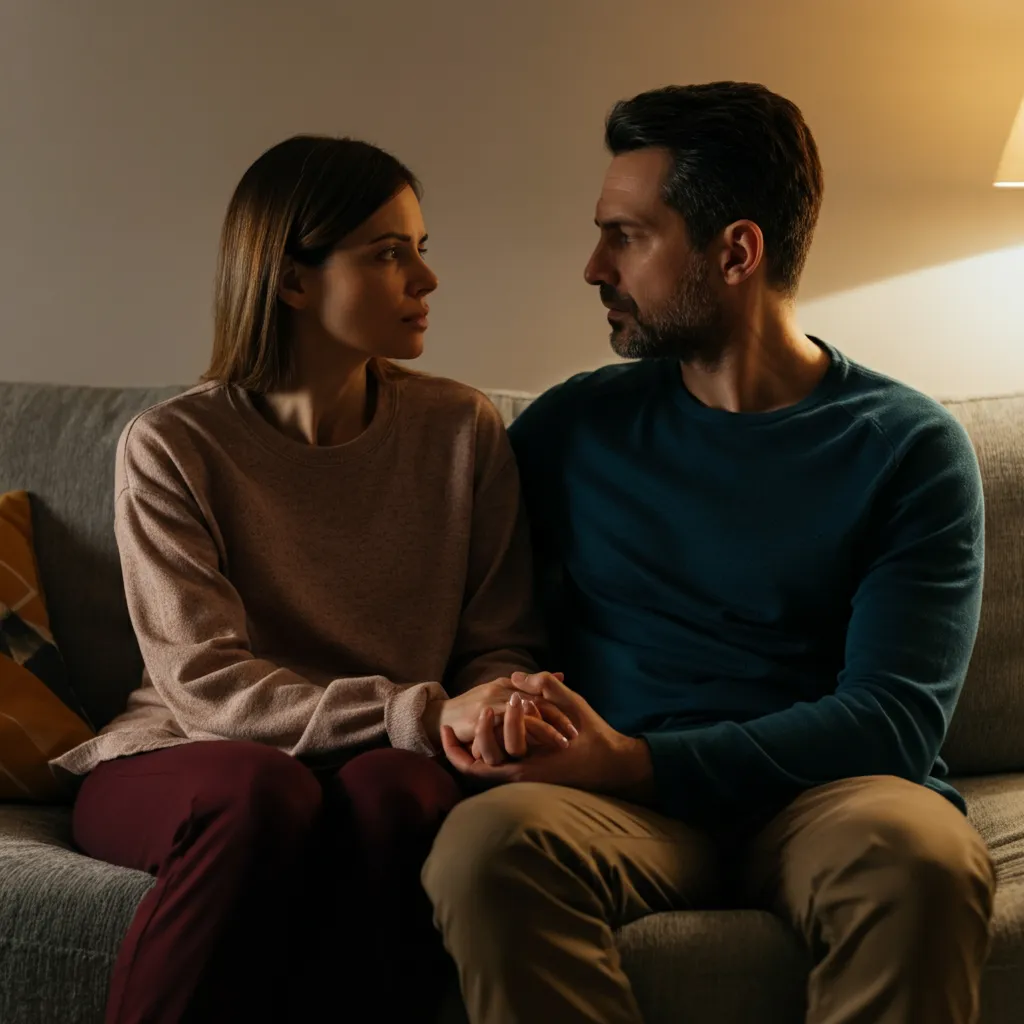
(291, 284)
(741, 252)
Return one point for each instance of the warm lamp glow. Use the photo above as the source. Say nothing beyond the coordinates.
(1011, 167)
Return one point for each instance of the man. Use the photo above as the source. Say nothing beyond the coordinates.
(769, 563)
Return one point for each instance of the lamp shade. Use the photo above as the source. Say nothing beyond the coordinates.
(1011, 166)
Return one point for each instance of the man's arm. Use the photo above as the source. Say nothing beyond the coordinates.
(912, 628)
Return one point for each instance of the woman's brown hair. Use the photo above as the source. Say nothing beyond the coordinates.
(299, 199)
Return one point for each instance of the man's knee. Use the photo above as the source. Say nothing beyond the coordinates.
(489, 844)
(908, 850)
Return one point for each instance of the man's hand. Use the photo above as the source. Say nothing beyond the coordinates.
(462, 713)
(599, 759)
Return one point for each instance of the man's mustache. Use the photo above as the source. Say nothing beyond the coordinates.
(613, 300)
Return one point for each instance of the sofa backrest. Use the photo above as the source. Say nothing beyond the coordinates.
(58, 443)
(987, 732)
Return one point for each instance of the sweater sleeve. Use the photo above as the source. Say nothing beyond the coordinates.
(498, 632)
(191, 628)
(913, 622)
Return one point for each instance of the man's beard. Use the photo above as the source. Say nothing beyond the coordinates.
(688, 327)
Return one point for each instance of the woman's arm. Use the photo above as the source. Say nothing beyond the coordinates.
(191, 628)
(499, 632)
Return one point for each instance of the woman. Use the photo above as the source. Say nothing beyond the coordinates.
(325, 563)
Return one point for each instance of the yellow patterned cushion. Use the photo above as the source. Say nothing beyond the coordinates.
(40, 717)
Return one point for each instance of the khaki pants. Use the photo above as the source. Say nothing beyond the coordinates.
(888, 884)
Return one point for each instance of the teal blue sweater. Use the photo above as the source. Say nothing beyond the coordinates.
(772, 600)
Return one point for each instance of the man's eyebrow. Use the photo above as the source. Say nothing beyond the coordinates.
(396, 236)
(618, 222)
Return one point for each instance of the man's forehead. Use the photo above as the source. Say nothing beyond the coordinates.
(633, 180)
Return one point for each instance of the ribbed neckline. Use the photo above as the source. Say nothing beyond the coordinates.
(321, 455)
(833, 377)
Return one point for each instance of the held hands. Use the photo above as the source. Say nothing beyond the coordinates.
(514, 728)
(595, 757)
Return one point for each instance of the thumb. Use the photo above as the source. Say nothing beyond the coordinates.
(532, 684)
(554, 691)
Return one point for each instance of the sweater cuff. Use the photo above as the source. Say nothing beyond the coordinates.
(403, 717)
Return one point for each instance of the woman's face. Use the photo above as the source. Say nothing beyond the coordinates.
(371, 294)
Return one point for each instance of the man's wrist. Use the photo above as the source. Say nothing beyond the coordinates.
(635, 774)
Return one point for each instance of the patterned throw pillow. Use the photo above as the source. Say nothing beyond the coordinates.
(40, 717)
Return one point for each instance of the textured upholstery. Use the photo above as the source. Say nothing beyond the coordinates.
(987, 734)
(58, 444)
(62, 916)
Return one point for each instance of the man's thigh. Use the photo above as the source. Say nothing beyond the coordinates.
(833, 843)
(635, 860)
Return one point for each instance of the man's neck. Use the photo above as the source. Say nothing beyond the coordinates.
(766, 365)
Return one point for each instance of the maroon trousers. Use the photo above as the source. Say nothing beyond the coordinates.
(278, 890)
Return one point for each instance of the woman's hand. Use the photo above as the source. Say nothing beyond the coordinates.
(601, 759)
(462, 713)
(526, 724)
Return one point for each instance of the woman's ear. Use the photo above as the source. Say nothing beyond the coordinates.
(292, 287)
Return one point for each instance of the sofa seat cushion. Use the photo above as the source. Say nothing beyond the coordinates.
(743, 965)
(62, 919)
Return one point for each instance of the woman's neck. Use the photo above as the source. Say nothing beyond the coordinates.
(324, 405)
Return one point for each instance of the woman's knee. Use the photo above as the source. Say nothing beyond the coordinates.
(396, 793)
(258, 788)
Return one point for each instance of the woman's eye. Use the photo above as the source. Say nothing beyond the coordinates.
(423, 251)
(389, 254)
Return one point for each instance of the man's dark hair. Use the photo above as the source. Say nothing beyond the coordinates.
(738, 152)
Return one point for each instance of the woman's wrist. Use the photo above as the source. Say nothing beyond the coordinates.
(432, 720)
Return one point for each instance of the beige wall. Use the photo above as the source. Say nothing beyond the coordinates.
(124, 125)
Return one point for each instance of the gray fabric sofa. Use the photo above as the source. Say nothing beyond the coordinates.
(62, 915)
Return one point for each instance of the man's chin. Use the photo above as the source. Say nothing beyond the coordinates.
(626, 345)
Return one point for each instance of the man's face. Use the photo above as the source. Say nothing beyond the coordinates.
(656, 286)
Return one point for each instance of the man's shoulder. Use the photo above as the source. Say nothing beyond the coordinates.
(604, 392)
(904, 416)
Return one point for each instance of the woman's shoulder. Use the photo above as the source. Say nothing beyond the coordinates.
(441, 398)
(168, 432)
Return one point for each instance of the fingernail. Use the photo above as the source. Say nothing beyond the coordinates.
(565, 742)
(518, 677)
(515, 700)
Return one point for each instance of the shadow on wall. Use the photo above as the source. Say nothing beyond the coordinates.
(954, 330)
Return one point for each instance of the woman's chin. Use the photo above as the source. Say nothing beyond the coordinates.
(406, 348)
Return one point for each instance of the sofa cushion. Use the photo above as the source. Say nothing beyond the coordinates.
(62, 919)
(737, 966)
(40, 716)
(987, 732)
(58, 443)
